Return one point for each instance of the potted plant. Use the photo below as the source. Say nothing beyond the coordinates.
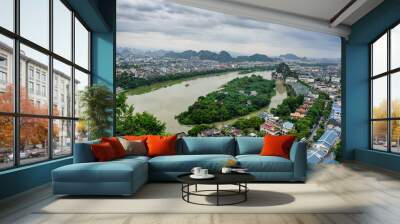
(97, 103)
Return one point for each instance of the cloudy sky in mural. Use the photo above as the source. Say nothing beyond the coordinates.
(160, 24)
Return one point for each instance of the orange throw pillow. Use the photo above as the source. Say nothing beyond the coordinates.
(277, 145)
(103, 152)
(116, 145)
(161, 145)
(142, 138)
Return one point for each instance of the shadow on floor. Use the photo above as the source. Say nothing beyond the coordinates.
(256, 198)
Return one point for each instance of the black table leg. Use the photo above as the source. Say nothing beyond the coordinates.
(217, 194)
(245, 193)
(182, 189)
(195, 188)
(188, 190)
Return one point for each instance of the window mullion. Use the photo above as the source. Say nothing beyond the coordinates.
(389, 104)
(16, 85)
(73, 81)
(371, 89)
(50, 81)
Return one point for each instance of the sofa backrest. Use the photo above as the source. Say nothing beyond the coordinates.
(206, 145)
(83, 152)
(191, 146)
(249, 145)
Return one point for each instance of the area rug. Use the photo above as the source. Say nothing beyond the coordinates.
(166, 198)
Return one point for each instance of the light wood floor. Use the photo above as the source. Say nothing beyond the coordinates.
(379, 189)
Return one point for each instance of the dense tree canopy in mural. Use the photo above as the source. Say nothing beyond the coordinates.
(236, 98)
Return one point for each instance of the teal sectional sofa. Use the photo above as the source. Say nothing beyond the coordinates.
(125, 176)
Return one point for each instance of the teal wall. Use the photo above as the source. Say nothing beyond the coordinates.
(356, 85)
(100, 16)
(24, 178)
(103, 63)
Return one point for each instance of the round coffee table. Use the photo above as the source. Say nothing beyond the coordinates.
(238, 179)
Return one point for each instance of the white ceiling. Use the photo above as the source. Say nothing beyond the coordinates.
(321, 9)
(314, 15)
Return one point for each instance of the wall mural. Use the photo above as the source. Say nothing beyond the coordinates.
(186, 70)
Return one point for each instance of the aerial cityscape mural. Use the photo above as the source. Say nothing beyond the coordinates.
(202, 73)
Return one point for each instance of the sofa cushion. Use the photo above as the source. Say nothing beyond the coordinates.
(161, 145)
(103, 152)
(249, 145)
(112, 171)
(185, 163)
(116, 145)
(136, 137)
(257, 163)
(206, 145)
(277, 145)
(135, 147)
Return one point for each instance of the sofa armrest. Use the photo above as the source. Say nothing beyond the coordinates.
(298, 155)
(83, 152)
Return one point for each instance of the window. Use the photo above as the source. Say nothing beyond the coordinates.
(37, 75)
(31, 76)
(6, 142)
(30, 87)
(40, 62)
(44, 91)
(3, 61)
(379, 56)
(385, 97)
(3, 78)
(55, 101)
(46, 75)
(6, 74)
(395, 47)
(7, 14)
(35, 21)
(62, 137)
(37, 89)
(62, 74)
(3, 72)
(33, 140)
(81, 82)
(62, 29)
(81, 45)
